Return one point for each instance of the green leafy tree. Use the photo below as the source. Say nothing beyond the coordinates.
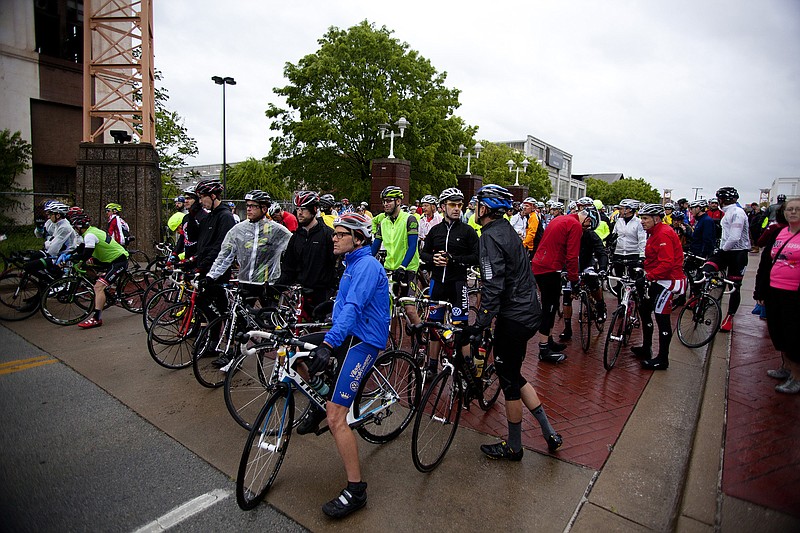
(612, 193)
(255, 174)
(15, 158)
(337, 96)
(492, 165)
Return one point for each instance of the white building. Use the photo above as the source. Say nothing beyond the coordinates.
(788, 186)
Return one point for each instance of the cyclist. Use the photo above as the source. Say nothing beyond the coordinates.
(663, 268)
(176, 219)
(702, 243)
(773, 209)
(631, 237)
(398, 231)
(603, 228)
(592, 252)
(451, 248)
(61, 239)
(533, 231)
(117, 227)
(309, 259)
(430, 217)
(733, 250)
(106, 253)
(508, 296)
(189, 230)
(232, 207)
(326, 203)
(214, 227)
(519, 219)
(669, 207)
(285, 218)
(359, 332)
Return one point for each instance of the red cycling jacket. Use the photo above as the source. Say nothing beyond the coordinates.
(663, 254)
(560, 247)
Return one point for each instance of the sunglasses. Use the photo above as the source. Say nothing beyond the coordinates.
(455, 204)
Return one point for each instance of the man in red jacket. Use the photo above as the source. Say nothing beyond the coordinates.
(558, 251)
(663, 268)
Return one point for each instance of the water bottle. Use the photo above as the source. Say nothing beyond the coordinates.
(480, 359)
(319, 385)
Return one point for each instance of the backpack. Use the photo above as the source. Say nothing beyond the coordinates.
(124, 229)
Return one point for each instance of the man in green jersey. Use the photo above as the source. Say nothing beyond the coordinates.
(398, 232)
(107, 253)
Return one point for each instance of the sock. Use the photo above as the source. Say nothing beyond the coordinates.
(541, 417)
(433, 364)
(97, 315)
(357, 487)
(515, 436)
(567, 325)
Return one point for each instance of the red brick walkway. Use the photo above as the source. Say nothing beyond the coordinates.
(762, 441)
(586, 404)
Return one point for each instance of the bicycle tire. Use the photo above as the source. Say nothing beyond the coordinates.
(436, 421)
(388, 397)
(585, 321)
(137, 260)
(207, 353)
(491, 381)
(247, 386)
(614, 338)
(170, 340)
(265, 448)
(68, 301)
(130, 289)
(20, 295)
(699, 321)
(159, 301)
(631, 319)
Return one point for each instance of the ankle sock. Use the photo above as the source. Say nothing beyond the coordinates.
(357, 487)
(544, 423)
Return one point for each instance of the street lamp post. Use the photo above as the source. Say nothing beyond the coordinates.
(227, 80)
(695, 189)
(511, 168)
(401, 124)
(461, 148)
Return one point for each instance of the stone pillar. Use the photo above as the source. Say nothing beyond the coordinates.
(127, 174)
(469, 185)
(387, 172)
(519, 192)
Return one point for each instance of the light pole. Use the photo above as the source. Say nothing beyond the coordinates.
(695, 189)
(227, 80)
(511, 164)
(478, 147)
(401, 124)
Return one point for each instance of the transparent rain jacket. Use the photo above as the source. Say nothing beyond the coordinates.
(257, 246)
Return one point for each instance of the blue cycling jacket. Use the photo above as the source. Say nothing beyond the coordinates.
(362, 303)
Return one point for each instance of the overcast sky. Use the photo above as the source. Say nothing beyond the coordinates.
(684, 93)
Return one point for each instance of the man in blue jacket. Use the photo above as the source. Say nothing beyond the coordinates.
(360, 330)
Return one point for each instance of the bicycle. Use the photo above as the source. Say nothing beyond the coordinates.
(459, 382)
(170, 339)
(137, 259)
(383, 407)
(163, 292)
(628, 267)
(400, 324)
(623, 320)
(700, 318)
(20, 291)
(587, 310)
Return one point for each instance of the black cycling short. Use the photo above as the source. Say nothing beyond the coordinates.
(455, 292)
(731, 262)
(115, 270)
(550, 288)
(510, 345)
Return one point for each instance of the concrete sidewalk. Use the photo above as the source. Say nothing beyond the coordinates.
(662, 473)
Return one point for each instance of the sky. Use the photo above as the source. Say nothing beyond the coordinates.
(683, 93)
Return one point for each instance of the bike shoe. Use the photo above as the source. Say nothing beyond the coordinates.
(655, 364)
(549, 356)
(344, 504)
(642, 352)
(90, 322)
(554, 442)
(501, 450)
(555, 346)
(565, 335)
(220, 361)
(311, 422)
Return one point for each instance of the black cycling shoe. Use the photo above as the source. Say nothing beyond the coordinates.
(344, 504)
(221, 361)
(565, 335)
(311, 422)
(600, 312)
(502, 450)
(655, 364)
(642, 352)
(554, 442)
(555, 346)
(549, 356)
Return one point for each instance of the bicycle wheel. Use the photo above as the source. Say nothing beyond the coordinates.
(160, 301)
(248, 384)
(68, 301)
(170, 340)
(137, 260)
(614, 338)
(397, 328)
(437, 421)
(387, 397)
(19, 295)
(214, 350)
(491, 381)
(585, 321)
(699, 321)
(265, 448)
(130, 289)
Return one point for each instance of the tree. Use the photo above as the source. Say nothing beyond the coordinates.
(492, 165)
(15, 158)
(612, 193)
(255, 174)
(336, 98)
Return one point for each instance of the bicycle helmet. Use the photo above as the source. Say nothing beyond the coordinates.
(190, 191)
(593, 216)
(530, 201)
(702, 203)
(231, 205)
(549, 203)
(114, 207)
(629, 203)
(392, 191)
(59, 209)
(598, 203)
(728, 194)
(669, 205)
(259, 196)
(540, 205)
(209, 187)
(47, 203)
(326, 201)
(306, 199)
(713, 201)
(364, 205)
(74, 210)
(557, 205)
(428, 199)
(781, 198)
(653, 210)
(495, 197)
(573, 205)
(356, 222)
(683, 201)
(80, 220)
(451, 194)
(180, 199)
(586, 201)
(274, 209)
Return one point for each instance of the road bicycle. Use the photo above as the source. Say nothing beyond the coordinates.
(174, 287)
(20, 290)
(383, 406)
(400, 324)
(587, 310)
(172, 335)
(623, 320)
(700, 318)
(629, 266)
(461, 380)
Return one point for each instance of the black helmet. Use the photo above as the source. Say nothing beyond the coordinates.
(306, 199)
(593, 216)
(258, 196)
(326, 201)
(781, 198)
(209, 187)
(728, 194)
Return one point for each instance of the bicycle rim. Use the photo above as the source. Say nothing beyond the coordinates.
(68, 301)
(585, 321)
(491, 382)
(437, 421)
(214, 350)
(699, 321)
(614, 338)
(170, 340)
(19, 295)
(265, 449)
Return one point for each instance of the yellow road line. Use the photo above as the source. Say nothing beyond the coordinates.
(24, 364)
